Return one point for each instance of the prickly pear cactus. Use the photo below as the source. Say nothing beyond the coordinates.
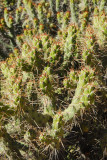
(53, 74)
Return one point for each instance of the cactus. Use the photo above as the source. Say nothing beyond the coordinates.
(73, 12)
(70, 45)
(53, 73)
